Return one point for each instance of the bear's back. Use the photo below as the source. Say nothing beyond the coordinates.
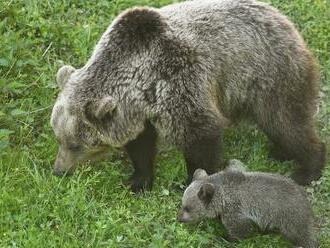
(245, 41)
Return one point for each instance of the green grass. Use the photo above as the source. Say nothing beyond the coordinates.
(94, 208)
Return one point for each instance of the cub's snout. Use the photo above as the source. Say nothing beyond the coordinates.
(184, 217)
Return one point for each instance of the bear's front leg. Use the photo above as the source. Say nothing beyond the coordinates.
(142, 152)
(203, 149)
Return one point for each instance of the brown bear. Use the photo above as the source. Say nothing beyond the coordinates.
(250, 202)
(183, 72)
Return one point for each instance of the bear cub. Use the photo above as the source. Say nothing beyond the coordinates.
(248, 202)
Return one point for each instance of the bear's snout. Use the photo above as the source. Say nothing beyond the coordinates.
(183, 217)
(64, 164)
(60, 173)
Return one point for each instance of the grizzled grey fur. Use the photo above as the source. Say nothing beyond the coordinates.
(185, 72)
(248, 202)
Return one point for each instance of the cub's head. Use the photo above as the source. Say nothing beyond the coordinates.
(197, 198)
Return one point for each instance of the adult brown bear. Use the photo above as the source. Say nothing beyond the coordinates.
(184, 71)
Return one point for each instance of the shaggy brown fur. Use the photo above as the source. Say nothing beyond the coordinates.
(183, 72)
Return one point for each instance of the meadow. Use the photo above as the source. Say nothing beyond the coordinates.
(94, 207)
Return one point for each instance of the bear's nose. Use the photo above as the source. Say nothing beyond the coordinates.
(179, 217)
(60, 173)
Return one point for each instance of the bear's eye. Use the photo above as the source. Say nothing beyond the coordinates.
(187, 209)
(74, 147)
(96, 143)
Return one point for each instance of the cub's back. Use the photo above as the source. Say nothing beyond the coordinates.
(270, 198)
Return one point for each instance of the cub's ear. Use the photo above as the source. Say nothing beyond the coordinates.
(235, 165)
(63, 75)
(206, 193)
(139, 25)
(199, 174)
(96, 110)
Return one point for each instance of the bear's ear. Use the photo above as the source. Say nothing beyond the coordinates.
(139, 25)
(206, 193)
(97, 110)
(63, 75)
(199, 174)
(235, 165)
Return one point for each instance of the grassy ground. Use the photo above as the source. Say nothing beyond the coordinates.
(94, 208)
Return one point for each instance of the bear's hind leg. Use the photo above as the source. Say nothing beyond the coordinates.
(295, 136)
(277, 153)
(142, 152)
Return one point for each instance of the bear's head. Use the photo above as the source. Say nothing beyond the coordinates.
(77, 140)
(197, 198)
(87, 125)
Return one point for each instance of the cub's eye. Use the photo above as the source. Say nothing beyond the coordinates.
(187, 209)
(74, 147)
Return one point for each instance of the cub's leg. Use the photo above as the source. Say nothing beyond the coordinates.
(142, 152)
(300, 237)
(238, 227)
(203, 149)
